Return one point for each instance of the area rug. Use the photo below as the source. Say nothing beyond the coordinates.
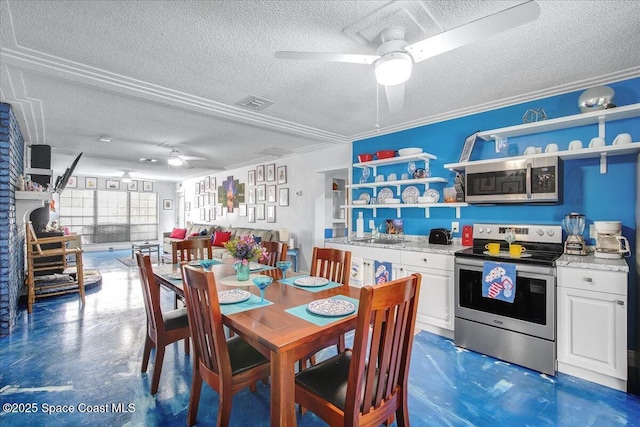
(129, 262)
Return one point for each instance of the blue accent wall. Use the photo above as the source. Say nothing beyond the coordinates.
(11, 239)
(610, 196)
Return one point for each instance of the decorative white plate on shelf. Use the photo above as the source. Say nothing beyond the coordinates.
(233, 296)
(409, 151)
(410, 194)
(311, 281)
(433, 194)
(331, 307)
(385, 194)
(364, 196)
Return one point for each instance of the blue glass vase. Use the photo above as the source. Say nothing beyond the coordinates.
(242, 272)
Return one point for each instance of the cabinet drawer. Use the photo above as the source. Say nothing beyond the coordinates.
(428, 260)
(613, 282)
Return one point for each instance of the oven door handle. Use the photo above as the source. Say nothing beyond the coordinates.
(528, 180)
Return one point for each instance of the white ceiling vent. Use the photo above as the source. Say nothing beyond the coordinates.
(254, 103)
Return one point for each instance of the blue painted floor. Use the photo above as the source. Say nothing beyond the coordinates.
(61, 358)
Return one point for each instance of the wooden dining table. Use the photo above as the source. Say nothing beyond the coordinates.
(281, 336)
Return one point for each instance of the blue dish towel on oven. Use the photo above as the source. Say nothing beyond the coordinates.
(499, 281)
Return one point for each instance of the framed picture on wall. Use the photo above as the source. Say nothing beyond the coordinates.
(271, 172)
(271, 213)
(90, 183)
(252, 177)
(202, 214)
(251, 213)
(187, 206)
(167, 204)
(243, 209)
(260, 173)
(260, 211)
(262, 196)
(207, 183)
(212, 213)
(271, 194)
(283, 197)
(213, 182)
(219, 211)
(132, 186)
(251, 196)
(147, 186)
(72, 182)
(212, 198)
(112, 184)
(197, 188)
(282, 174)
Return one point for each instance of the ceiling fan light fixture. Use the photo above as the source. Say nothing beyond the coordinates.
(174, 160)
(393, 68)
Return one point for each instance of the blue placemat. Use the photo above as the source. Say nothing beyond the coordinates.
(329, 285)
(250, 304)
(302, 312)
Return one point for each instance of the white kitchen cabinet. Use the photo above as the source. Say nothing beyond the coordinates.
(592, 325)
(435, 303)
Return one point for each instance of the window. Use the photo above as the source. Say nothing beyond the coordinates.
(110, 216)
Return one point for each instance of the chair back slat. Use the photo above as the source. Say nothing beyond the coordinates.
(332, 264)
(205, 320)
(277, 251)
(382, 345)
(150, 292)
(191, 249)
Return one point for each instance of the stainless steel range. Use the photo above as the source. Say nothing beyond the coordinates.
(523, 331)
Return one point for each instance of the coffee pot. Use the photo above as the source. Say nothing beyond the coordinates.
(610, 243)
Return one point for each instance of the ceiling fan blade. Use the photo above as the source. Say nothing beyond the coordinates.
(329, 57)
(187, 158)
(474, 31)
(395, 97)
(186, 164)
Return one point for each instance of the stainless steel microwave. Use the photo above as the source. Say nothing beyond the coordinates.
(523, 180)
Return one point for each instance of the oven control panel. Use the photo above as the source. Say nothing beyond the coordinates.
(523, 232)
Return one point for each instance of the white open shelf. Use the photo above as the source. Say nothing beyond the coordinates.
(399, 206)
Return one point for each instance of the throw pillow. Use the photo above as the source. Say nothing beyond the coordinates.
(221, 237)
(203, 232)
(178, 233)
(193, 234)
(257, 239)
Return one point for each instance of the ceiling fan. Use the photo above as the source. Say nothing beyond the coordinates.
(177, 159)
(395, 56)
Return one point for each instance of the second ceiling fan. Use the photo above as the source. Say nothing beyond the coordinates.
(395, 57)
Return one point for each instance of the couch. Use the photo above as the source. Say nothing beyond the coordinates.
(210, 229)
(194, 231)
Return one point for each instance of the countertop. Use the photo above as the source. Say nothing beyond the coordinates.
(592, 263)
(413, 244)
(421, 244)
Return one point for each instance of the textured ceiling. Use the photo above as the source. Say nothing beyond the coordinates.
(156, 74)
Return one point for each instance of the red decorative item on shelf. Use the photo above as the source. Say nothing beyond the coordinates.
(365, 157)
(385, 154)
(467, 235)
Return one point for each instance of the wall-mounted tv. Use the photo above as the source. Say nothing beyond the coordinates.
(62, 180)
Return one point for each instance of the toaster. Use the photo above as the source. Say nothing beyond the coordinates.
(440, 236)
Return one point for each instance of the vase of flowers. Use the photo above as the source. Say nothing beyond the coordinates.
(245, 250)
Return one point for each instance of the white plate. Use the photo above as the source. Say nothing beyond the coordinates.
(433, 194)
(253, 266)
(233, 296)
(409, 151)
(364, 196)
(311, 281)
(385, 194)
(331, 307)
(410, 192)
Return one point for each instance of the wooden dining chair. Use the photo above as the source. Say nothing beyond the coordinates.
(191, 249)
(367, 386)
(227, 365)
(163, 328)
(335, 265)
(332, 264)
(277, 252)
